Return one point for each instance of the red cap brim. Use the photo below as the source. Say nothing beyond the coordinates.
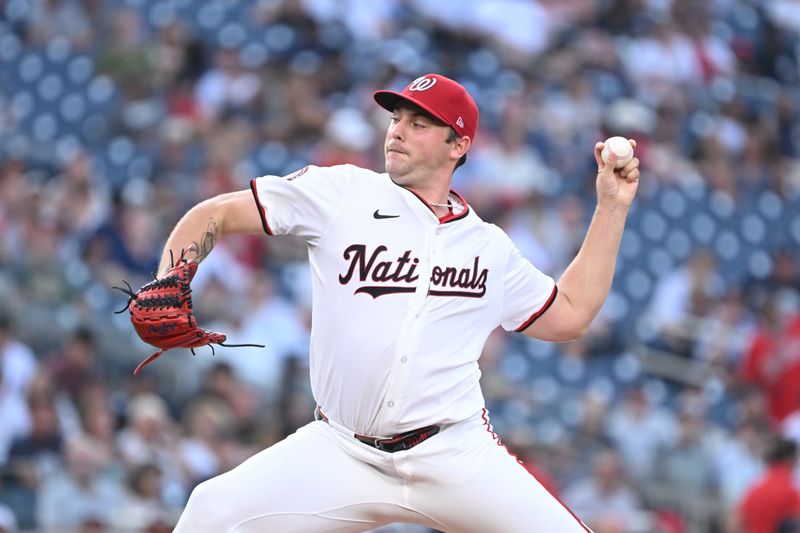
(388, 100)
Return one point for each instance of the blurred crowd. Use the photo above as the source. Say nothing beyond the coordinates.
(676, 413)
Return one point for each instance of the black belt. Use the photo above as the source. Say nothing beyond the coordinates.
(403, 441)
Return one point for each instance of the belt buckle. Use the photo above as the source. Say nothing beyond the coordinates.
(391, 446)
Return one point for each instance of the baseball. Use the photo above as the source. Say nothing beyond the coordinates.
(620, 146)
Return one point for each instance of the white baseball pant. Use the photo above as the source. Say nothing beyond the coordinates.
(322, 480)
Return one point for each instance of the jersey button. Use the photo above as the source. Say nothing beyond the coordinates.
(404, 359)
(390, 404)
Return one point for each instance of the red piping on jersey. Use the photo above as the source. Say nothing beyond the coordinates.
(496, 438)
(261, 211)
(452, 216)
(541, 311)
(449, 217)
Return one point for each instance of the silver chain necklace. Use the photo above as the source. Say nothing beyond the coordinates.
(448, 205)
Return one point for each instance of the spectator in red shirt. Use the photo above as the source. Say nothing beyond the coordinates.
(772, 362)
(772, 504)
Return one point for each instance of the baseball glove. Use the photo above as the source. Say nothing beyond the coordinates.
(161, 313)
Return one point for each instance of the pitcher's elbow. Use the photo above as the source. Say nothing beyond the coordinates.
(576, 331)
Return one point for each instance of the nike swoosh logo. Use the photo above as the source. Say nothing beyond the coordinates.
(379, 216)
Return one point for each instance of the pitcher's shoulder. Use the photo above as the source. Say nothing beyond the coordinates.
(495, 232)
(359, 172)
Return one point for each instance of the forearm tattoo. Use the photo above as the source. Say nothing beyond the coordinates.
(202, 248)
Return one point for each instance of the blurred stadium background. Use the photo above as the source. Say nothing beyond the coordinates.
(117, 116)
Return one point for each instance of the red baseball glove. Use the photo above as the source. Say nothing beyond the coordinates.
(161, 313)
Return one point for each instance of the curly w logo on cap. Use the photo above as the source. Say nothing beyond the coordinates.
(422, 84)
(440, 96)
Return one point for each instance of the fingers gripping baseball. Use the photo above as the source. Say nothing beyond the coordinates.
(616, 185)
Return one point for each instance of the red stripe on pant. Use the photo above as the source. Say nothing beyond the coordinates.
(496, 438)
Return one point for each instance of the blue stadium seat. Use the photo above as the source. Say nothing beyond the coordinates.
(601, 384)
(631, 245)
(654, 226)
(545, 388)
(231, 35)
(79, 70)
(770, 205)
(626, 368)
(160, 14)
(638, 284)
(571, 370)
(50, 87)
(515, 366)
(44, 127)
(22, 104)
(569, 412)
(794, 228)
(210, 16)
(120, 151)
(539, 350)
(140, 167)
(279, 37)
(703, 228)
(759, 264)
(673, 203)
(550, 431)
(660, 261)
(72, 107)
(721, 206)
(679, 244)
(10, 47)
(727, 246)
(30, 67)
(254, 55)
(753, 228)
(101, 90)
(58, 51)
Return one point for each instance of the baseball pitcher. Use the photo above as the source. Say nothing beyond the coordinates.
(408, 283)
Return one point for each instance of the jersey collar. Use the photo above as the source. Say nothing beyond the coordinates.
(450, 217)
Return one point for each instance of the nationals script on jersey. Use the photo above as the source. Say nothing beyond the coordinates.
(403, 301)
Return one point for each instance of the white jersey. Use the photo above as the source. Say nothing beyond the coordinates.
(402, 301)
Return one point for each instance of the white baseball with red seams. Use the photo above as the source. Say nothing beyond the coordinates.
(619, 146)
(403, 302)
